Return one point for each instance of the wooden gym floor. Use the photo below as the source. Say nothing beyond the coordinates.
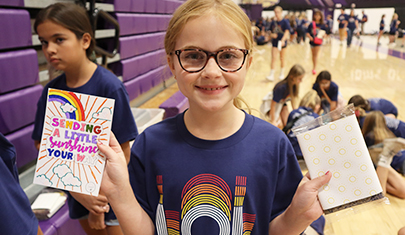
(363, 69)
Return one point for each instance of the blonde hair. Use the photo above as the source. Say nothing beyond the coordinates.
(295, 71)
(374, 123)
(311, 100)
(227, 10)
(278, 8)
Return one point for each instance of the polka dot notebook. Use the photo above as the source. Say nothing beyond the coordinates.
(339, 147)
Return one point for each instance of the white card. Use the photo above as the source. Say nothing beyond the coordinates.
(339, 147)
(68, 157)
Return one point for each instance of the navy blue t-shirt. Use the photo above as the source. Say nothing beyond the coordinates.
(16, 214)
(341, 19)
(351, 22)
(393, 27)
(396, 126)
(383, 105)
(382, 24)
(279, 27)
(204, 186)
(301, 24)
(304, 119)
(332, 92)
(398, 161)
(310, 30)
(364, 19)
(102, 83)
(281, 93)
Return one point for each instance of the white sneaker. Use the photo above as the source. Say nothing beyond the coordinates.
(281, 77)
(270, 78)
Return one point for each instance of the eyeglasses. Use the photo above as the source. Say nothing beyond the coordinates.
(195, 60)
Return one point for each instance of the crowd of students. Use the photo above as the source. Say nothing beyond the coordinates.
(383, 132)
(208, 148)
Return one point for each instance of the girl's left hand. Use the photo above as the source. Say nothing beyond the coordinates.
(305, 203)
(115, 177)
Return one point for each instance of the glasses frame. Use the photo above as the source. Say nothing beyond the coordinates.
(212, 54)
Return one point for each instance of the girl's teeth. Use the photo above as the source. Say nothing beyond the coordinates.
(211, 89)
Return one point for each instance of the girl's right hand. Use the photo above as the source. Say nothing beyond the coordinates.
(93, 204)
(115, 175)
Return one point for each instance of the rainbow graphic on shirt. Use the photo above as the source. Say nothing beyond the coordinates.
(206, 195)
(70, 103)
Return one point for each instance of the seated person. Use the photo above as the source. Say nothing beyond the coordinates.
(327, 90)
(261, 36)
(372, 104)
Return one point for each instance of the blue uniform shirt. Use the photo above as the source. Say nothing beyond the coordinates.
(332, 92)
(341, 18)
(204, 186)
(102, 83)
(310, 30)
(351, 22)
(382, 24)
(393, 27)
(16, 214)
(279, 27)
(383, 105)
(280, 93)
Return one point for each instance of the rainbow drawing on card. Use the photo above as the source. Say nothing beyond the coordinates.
(69, 102)
(68, 156)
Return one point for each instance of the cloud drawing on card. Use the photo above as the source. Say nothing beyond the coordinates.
(42, 179)
(104, 114)
(61, 170)
(68, 108)
(70, 180)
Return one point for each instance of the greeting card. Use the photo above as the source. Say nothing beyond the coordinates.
(334, 143)
(68, 157)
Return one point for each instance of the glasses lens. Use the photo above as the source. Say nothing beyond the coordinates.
(230, 59)
(193, 60)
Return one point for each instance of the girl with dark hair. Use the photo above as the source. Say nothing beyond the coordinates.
(67, 40)
(327, 90)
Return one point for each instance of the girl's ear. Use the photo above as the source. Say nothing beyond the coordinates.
(86, 41)
(170, 62)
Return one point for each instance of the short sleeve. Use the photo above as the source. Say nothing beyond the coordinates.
(123, 127)
(286, 25)
(137, 178)
(333, 92)
(39, 116)
(279, 93)
(290, 172)
(316, 88)
(309, 29)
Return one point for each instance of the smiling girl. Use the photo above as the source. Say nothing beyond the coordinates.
(213, 169)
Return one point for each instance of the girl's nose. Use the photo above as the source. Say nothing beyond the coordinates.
(212, 69)
(51, 48)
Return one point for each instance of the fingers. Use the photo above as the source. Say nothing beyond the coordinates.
(108, 152)
(99, 209)
(318, 182)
